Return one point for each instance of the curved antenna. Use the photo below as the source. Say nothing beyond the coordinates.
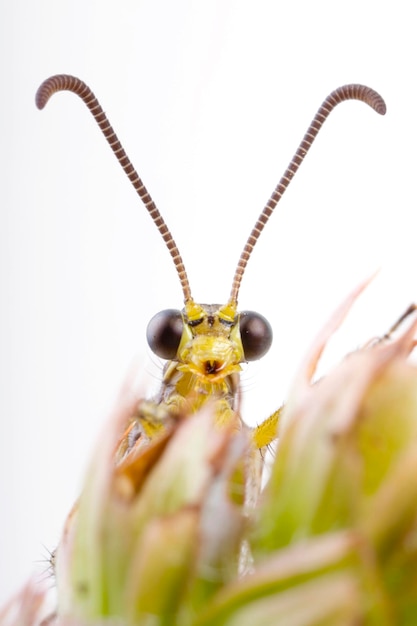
(347, 92)
(64, 82)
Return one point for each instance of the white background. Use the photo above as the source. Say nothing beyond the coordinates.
(210, 100)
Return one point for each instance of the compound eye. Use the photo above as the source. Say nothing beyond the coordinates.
(256, 335)
(164, 333)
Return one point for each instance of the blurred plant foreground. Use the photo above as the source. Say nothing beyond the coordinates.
(174, 533)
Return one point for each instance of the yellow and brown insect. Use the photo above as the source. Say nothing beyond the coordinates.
(205, 345)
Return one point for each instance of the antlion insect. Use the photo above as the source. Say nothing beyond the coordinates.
(204, 344)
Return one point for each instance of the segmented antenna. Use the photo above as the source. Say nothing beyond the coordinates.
(347, 92)
(64, 82)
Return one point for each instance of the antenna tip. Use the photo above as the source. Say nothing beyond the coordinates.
(44, 92)
(381, 107)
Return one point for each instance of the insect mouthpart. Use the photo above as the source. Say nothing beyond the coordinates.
(212, 367)
(211, 356)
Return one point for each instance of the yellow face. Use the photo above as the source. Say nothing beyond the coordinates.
(210, 346)
(209, 341)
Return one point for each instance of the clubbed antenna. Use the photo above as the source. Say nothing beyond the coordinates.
(347, 92)
(64, 82)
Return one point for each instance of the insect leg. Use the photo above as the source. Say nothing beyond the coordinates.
(267, 431)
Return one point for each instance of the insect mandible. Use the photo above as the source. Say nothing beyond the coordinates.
(204, 345)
